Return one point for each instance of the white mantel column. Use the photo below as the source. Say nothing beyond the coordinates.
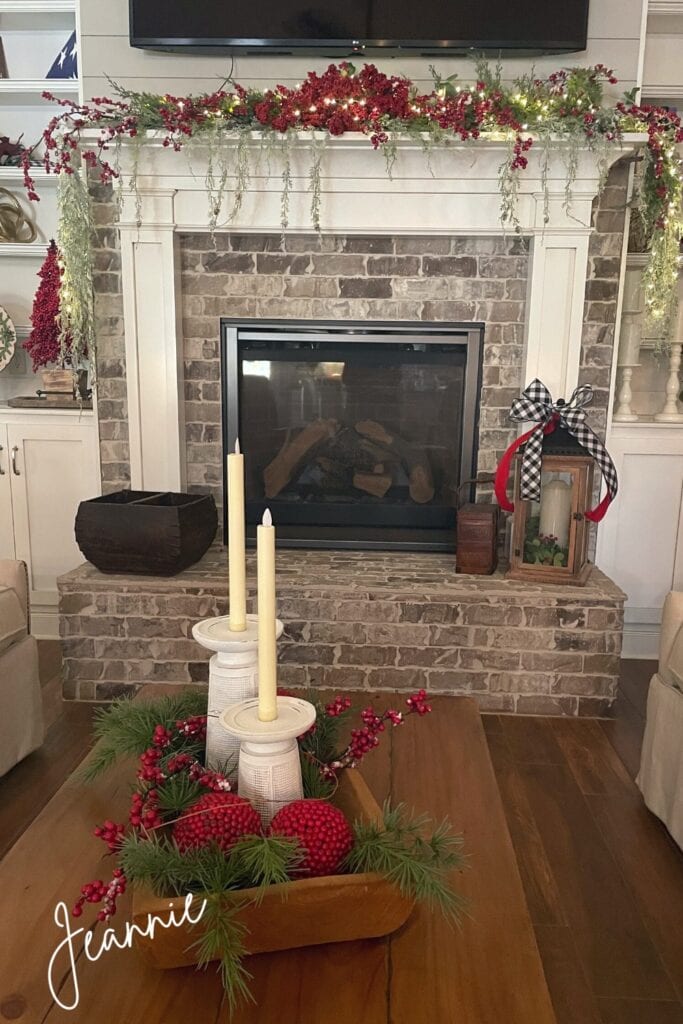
(555, 304)
(154, 365)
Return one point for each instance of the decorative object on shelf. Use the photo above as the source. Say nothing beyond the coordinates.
(629, 343)
(8, 338)
(65, 64)
(155, 534)
(565, 110)
(15, 226)
(261, 890)
(4, 73)
(670, 413)
(49, 401)
(58, 382)
(11, 153)
(476, 524)
(45, 344)
(553, 485)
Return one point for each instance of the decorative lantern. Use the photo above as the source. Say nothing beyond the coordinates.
(550, 535)
(553, 473)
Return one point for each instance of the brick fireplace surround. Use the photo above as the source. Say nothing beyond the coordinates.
(381, 621)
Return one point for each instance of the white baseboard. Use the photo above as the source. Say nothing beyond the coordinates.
(641, 640)
(45, 622)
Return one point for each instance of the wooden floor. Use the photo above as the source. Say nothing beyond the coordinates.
(603, 879)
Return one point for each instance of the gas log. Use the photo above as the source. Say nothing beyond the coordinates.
(365, 456)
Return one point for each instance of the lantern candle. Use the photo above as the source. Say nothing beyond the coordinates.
(556, 506)
(236, 545)
(267, 623)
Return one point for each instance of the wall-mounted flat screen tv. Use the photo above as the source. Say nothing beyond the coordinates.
(354, 27)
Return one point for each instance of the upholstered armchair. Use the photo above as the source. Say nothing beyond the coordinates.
(21, 716)
(661, 764)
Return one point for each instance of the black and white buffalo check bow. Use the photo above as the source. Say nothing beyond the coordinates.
(536, 404)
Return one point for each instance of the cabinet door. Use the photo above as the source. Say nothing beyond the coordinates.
(52, 469)
(6, 518)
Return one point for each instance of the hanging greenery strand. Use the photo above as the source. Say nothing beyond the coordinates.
(564, 112)
(76, 317)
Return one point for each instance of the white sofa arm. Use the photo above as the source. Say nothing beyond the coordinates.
(672, 620)
(14, 574)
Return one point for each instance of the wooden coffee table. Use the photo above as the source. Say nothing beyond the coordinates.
(487, 972)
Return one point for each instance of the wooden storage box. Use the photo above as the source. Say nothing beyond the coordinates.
(148, 532)
(309, 912)
(476, 539)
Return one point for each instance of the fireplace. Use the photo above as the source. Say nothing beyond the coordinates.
(357, 435)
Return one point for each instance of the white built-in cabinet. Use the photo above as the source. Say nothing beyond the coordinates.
(48, 464)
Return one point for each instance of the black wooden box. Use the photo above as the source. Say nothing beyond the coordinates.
(148, 532)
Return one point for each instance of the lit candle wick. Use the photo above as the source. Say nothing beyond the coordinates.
(238, 450)
(267, 518)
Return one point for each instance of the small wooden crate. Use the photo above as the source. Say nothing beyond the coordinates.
(147, 532)
(309, 912)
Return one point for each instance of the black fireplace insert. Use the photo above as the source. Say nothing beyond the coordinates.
(356, 435)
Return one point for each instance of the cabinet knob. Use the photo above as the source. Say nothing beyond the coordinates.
(16, 472)
(2, 472)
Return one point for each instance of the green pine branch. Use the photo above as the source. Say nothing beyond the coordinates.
(255, 861)
(125, 728)
(414, 853)
(177, 794)
(222, 939)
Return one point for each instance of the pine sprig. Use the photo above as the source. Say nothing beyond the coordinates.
(253, 862)
(177, 794)
(125, 729)
(414, 853)
(222, 939)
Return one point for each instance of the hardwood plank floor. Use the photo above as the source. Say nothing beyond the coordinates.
(602, 877)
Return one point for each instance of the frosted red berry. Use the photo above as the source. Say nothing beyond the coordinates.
(220, 818)
(323, 832)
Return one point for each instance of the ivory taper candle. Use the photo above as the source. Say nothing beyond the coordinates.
(267, 649)
(236, 544)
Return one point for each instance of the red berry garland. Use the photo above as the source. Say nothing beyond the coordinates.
(222, 818)
(323, 831)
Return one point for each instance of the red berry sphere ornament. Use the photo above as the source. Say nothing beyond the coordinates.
(323, 831)
(220, 818)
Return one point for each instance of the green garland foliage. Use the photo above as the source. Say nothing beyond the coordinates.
(413, 853)
(124, 728)
(562, 113)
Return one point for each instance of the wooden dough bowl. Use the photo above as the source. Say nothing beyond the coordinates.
(308, 912)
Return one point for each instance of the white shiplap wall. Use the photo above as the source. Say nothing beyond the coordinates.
(614, 32)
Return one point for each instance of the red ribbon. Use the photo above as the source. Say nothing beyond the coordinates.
(500, 483)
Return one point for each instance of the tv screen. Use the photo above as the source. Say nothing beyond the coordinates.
(354, 26)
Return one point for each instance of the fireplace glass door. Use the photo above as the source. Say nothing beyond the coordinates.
(358, 436)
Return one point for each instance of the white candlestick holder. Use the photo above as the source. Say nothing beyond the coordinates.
(233, 677)
(269, 773)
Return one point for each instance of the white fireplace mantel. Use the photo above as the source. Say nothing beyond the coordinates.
(453, 191)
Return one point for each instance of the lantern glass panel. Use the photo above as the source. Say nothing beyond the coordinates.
(547, 531)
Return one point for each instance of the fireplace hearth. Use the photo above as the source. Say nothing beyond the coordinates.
(357, 435)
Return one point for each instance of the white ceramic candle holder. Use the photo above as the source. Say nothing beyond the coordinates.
(233, 677)
(269, 772)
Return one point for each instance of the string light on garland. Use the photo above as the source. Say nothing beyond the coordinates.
(568, 105)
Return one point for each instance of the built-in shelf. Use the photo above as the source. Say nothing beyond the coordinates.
(37, 173)
(19, 87)
(665, 7)
(31, 250)
(37, 6)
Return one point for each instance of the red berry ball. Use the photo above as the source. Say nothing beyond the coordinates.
(220, 818)
(322, 830)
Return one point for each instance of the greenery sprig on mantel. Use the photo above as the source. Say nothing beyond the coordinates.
(566, 109)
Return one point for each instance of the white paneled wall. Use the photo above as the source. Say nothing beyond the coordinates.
(614, 31)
